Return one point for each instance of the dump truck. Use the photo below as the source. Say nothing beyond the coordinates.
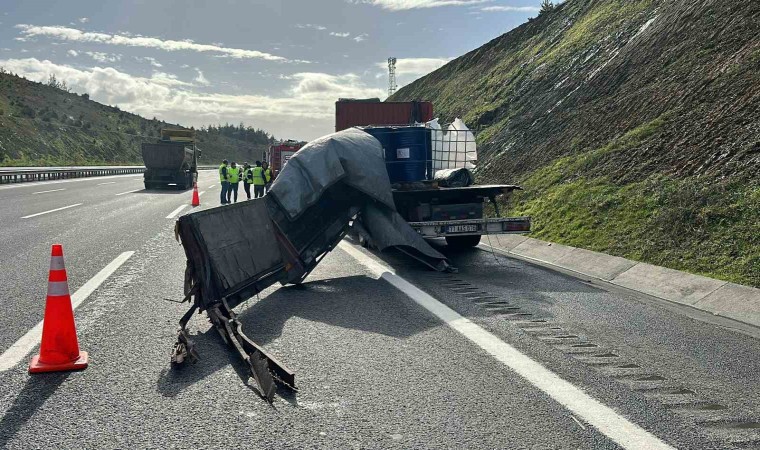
(428, 166)
(171, 160)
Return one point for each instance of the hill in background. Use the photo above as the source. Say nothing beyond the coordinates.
(42, 124)
(632, 125)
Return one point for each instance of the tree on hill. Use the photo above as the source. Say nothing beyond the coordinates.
(546, 6)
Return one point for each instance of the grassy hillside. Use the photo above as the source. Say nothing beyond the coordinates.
(43, 125)
(632, 125)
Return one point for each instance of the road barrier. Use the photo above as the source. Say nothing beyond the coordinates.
(25, 174)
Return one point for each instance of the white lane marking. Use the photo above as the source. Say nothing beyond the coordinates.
(212, 186)
(129, 192)
(176, 211)
(108, 182)
(45, 192)
(201, 193)
(616, 427)
(18, 351)
(52, 210)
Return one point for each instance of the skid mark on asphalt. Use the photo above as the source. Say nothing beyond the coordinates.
(21, 348)
(606, 420)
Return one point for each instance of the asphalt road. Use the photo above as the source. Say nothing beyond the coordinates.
(374, 368)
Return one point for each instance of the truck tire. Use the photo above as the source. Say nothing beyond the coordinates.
(148, 186)
(460, 242)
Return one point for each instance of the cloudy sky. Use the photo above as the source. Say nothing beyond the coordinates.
(276, 65)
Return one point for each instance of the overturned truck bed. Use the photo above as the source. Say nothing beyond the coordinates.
(234, 252)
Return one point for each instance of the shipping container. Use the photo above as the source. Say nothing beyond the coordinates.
(352, 113)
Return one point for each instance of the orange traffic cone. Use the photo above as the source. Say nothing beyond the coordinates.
(59, 350)
(196, 198)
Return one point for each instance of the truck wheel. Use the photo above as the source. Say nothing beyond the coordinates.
(148, 186)
(463, 241)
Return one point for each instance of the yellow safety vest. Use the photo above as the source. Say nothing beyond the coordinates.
(258, 176)
(248, 176)
(234, 174)
(222, 177)
(268, 175)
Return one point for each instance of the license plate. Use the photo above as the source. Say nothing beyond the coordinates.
(462, 228)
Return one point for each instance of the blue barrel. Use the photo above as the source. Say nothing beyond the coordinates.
(385, 135)
(409, 161)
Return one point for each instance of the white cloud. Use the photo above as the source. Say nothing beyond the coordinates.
(310, 25)
(416, 66)
(200, 79)
(73, 34)
(361, 37)
(400, 5)
(153, 62)
(504, 8)
(72, 53)
(341, 35)
(83, 20)
(305, 110)
(103, 57)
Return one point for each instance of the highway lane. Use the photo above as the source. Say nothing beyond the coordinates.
(93, 234)
(375, 370)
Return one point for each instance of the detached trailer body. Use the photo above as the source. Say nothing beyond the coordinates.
(171, 160)
(434, 211)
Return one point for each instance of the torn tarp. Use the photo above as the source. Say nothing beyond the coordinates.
(234, 252)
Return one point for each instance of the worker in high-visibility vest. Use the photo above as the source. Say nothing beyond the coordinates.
(225, 180)
(234, 175)
(267, 175)
(247, 179)
(258, 180)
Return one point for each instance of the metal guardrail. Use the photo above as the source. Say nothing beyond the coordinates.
(26, 174)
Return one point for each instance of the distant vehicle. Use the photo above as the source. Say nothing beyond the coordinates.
(280, 153)
(453, 213)
(171, 160)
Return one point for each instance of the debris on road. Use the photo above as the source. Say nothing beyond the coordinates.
(235, 252)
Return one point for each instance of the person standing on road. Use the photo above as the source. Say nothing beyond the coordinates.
(267, 175)
(258, 180)
(234, 174)
(247, 179)
(225, 180)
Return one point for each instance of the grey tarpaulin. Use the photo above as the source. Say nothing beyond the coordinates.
(355, 159)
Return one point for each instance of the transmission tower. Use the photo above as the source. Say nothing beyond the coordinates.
(391, 76)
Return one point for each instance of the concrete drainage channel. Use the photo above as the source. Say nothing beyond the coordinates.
(741, 433)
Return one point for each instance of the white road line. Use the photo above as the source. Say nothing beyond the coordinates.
(18, 351)
(176, 212)
(212, 186)
(73, 180)
(201, 193)
(45, 192)
(129, 192)
(52, 210)
(616, 427)
(109, 182)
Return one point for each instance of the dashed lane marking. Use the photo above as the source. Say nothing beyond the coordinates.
(616, 427)
(108, 182)
(176, 212)
(128, 192)
(201, 193)
(45, 192)
(21, 348)
(52, 210)
(211, 187)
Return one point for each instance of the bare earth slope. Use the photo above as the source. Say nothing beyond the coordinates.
(632, 124)
(42, 125)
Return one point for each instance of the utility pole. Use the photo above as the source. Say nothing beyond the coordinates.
(391, 76)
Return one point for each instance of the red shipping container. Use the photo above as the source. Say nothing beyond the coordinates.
(352, 113)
